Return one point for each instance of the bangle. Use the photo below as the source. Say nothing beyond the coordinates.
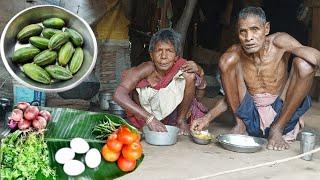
(150, 118)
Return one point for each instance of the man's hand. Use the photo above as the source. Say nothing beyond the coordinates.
(191, 67)
(156, 125)
(199, 124)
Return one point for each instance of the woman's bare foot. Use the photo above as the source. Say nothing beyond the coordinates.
(184, 129)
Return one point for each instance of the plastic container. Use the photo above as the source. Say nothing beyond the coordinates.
(24, 94)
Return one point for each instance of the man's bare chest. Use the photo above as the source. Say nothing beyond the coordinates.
(268, 70)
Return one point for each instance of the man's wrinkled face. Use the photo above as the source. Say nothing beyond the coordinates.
(252, 33)
(163, 56)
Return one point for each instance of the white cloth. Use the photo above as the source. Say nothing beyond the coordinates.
(164, 101)
(267, 114)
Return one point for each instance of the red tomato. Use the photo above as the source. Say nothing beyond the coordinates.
(108, 154)
(125, 164)
(113, 136)
(132, 151)
(125, 135)
(137, 137)
(114, 145)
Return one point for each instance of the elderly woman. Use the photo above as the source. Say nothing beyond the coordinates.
(162, 91)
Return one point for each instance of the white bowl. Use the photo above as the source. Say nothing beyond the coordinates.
(161, 138)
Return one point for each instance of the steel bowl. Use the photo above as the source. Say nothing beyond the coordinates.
(161, 138)
(241, 143)
(202, 141)
(36, 14)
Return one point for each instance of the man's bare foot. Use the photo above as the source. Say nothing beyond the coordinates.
(239, 128)
(276, 141)
(184, 129)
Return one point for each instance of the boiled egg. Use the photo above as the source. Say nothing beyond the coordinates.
(79, 145)
(64, 154)
(73, 167)
(93, 158)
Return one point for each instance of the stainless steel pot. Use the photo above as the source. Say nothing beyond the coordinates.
(161, 138)
(87, 89)
(120, 113)
(36, 14)
(104, 98)
(114, 106)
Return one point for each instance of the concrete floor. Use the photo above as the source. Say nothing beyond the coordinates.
(186, 160)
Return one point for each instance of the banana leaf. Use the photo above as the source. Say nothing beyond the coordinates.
(69, 123)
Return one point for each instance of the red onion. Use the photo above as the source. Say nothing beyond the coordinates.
(16, 115)
(46, 114)
(31, 113)
(24, 124)
(23, 105)
(12, 124)
(39, 123)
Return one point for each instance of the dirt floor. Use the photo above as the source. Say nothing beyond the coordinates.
(186, 160)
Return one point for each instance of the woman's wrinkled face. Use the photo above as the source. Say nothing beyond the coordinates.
(252, 33)
(163, 56)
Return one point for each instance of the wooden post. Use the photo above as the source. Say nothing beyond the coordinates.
(315, 31)
(315, 34)
(184, 21)
(315, 41)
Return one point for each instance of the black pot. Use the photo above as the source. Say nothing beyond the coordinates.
(5, 109)
(85, 90)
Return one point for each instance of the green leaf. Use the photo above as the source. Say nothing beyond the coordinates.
(69, 123)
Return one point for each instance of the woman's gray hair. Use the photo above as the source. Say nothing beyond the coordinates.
(166, 35)
(252, 11)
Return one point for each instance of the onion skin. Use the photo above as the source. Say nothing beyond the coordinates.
(16, 115)
(24, 124)
(42, 120)
(31, 113)
(12, 124)
(39, 123)
(23, 105)
(46, 114)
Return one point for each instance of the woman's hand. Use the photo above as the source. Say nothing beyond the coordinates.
(191, 67)
(156, 125)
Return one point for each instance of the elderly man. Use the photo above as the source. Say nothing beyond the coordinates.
(163, 90)
(266, 101)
